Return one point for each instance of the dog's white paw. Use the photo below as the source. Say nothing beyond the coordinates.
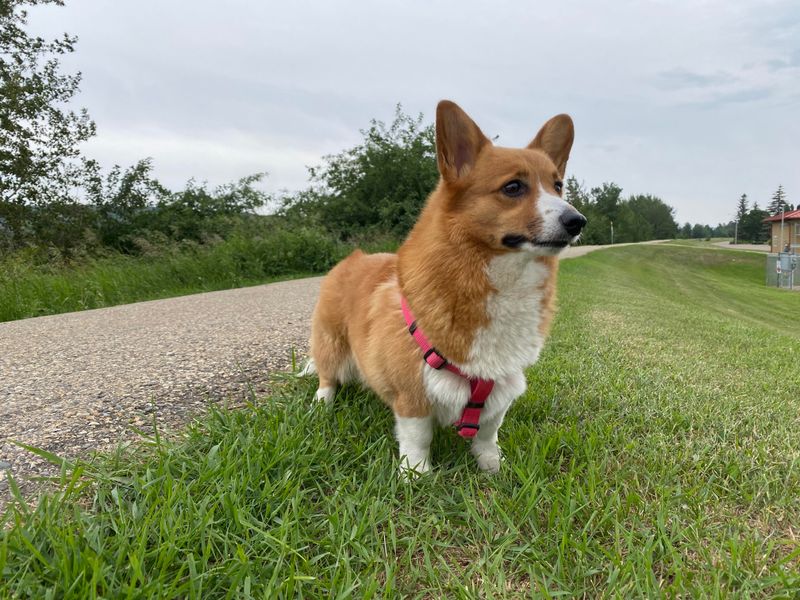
(325, 395)
(489, 459)
(409, 473)
(310, 368)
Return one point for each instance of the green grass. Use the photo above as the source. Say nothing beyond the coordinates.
(30, 291)
(700, 243)
(710, 243)
(655, 453)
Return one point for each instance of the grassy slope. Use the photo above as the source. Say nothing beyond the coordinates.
(104, 282)
(713, 243)
(656, 449)
(701, 243)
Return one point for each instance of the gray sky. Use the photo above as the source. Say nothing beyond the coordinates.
(695, 101)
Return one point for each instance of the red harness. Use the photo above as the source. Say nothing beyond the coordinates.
(469, 423)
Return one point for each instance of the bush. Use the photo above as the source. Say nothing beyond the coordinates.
(376, 188)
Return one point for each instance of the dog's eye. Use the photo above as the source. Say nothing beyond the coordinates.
(514, 188)
(559, 186)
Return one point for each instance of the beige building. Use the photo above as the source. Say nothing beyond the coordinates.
(790, 234)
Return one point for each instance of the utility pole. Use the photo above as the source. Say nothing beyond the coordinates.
(736, 233)
(612, 232)
(783, 212)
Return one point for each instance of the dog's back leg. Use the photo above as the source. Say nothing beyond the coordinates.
(331, 353)
(332, 359)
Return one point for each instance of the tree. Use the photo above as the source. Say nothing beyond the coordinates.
(600, 206)
(119, 201)
(637, 218)
(39, 137)
(197, 213)
(575, 193)
(741, 208)
(752, 227)
(657, 214)
(377, 187)
(778, 202)
(607, 199)
(631, 226)
(723, 229)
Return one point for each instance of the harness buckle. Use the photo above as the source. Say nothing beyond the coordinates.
(434, 359)
(472, 429)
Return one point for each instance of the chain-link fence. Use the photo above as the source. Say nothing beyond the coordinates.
(783, 270)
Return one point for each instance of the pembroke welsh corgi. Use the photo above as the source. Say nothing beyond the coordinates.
(443, 330)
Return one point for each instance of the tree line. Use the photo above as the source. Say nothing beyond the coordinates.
(52, 197)
(379, 187)
(748, 226)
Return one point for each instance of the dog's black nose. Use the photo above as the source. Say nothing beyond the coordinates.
(573, 221)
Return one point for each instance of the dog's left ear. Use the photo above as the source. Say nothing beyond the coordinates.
(555, 138)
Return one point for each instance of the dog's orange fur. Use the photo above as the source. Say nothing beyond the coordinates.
(442, 266)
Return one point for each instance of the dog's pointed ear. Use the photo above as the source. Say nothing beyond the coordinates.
(458, 141)
(555, 138)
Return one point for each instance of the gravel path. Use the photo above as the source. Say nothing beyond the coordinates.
(77, 382)
(751, 247)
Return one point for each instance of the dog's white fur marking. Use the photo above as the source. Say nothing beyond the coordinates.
(414, 435)
(550, 208)
(310, 368)
(500, 351)
(348, 370)
(511, 341)
(325, 394)
(484, 444)
(449, 393)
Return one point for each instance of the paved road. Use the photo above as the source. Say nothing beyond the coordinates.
(76, 382)
(750, 247)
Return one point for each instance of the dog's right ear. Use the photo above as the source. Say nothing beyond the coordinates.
(458, 141)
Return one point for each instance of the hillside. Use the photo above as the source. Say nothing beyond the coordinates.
(656, 451)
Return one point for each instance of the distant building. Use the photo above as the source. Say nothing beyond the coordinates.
(791, 231)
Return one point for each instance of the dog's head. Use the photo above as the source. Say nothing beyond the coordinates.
(506, 199)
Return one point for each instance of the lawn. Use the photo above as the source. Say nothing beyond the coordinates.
(717, 243)
(655, 452)
(700, 243)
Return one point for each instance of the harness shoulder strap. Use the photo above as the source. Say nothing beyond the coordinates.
(469, 423)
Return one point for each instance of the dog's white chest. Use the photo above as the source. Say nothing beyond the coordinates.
(512, 340)
(501, 350)
(449, 393)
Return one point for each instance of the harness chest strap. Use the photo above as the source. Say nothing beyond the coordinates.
(469, 423)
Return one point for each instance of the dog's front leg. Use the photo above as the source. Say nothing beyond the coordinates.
(484, 445)
(414, 435)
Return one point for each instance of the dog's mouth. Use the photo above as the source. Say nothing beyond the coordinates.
(551, 243)
(515, 241)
